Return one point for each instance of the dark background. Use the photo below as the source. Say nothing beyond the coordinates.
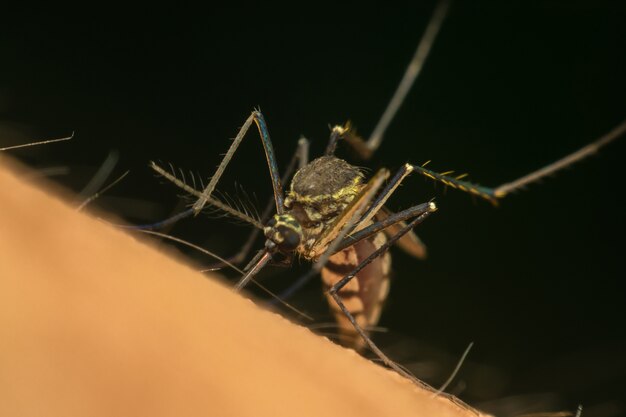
(536, 283)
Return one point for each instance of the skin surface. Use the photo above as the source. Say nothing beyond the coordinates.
(97, 323)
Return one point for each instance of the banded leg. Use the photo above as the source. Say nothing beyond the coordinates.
(336, 133)
(393, 222)
(366, 294)
(301, 158)
(335, 292)
(257, 118)
(40, 142)
(501, 191)
(366, 149)
(205, 196)
(410, 244)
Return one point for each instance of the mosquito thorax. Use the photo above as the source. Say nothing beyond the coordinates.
(285, 231)
(319, 192)
(325, 179)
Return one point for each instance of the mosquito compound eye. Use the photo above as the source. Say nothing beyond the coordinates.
(284, 231)
(290, 238)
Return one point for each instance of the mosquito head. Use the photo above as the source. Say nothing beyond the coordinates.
(285, 231)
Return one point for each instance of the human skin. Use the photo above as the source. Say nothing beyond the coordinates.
(96, 322)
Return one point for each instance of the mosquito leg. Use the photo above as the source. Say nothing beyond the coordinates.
(370, 344)
(41, 142)
(366, 149)
(385, 194)
(496, 193)
(422, 211)
(205, 196)
(360, 222)
(337, 132)
(487, 193)
(564, 162)
(376, 204)
(301, 158)
(334, 293)
(257, 118)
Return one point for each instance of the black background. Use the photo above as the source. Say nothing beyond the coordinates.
(536, 283)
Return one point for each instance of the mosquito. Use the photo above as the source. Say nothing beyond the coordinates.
(336, 218)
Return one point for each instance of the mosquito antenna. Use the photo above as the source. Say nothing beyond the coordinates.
(41, 142)
(410, 75)
(213, 201)
(456, 369)
(564, 162)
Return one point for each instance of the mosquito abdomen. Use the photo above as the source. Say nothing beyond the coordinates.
(364, 295)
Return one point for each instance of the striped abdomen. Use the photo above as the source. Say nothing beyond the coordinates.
(365, 294)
